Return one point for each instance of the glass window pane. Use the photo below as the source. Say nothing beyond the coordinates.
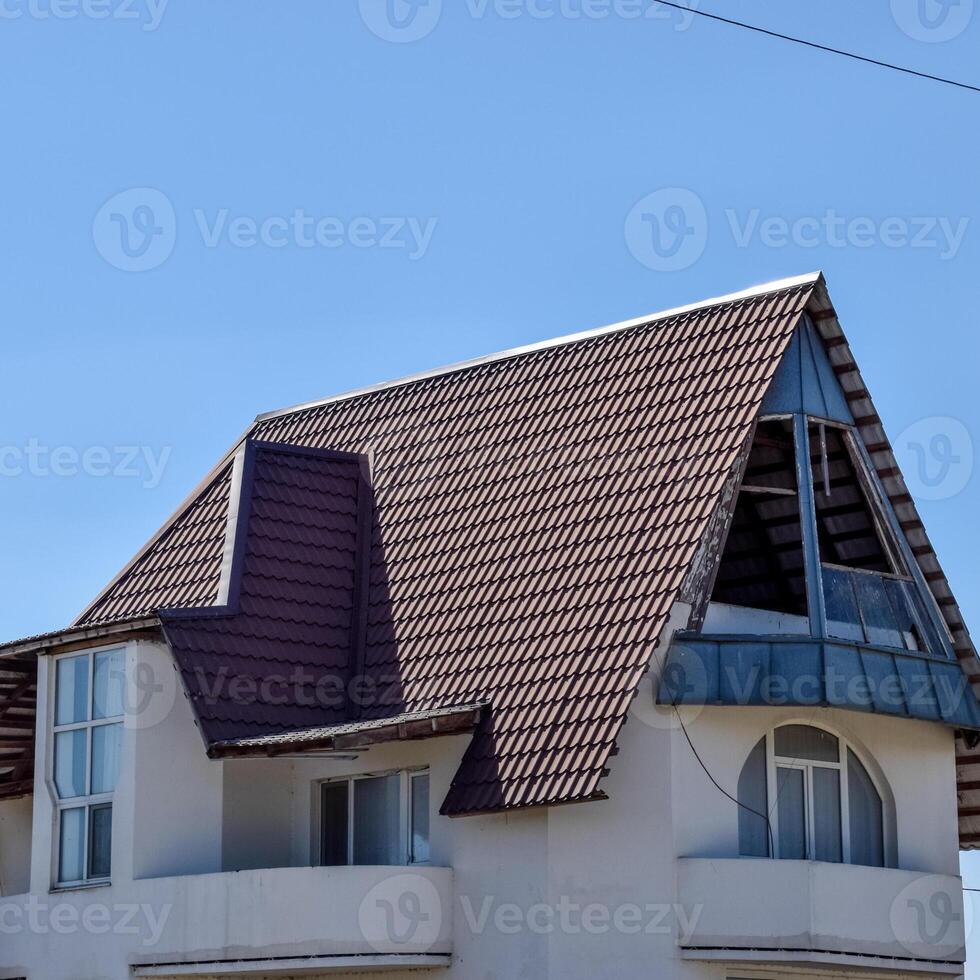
(376, 820)
(865, 816)
(826, 815)
(753, 831)
(843, 618)
(880, 619)
(70, 749)
(333, 823)
(106, 753)
(72, 690)
(108, 684)
(420, 818)
(919, 631)
(792, 814)
(806, 742)
(71, 846)
(100, 842)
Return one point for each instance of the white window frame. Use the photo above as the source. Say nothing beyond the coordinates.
(87, 802)
(808, 765)
(406, 776)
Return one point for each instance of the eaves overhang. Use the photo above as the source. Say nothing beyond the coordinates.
(408, 726)
(59, 640)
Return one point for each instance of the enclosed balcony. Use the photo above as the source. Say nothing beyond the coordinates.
(265, 923)
(809, 912)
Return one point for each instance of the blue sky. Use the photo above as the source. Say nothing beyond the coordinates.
(315, 202)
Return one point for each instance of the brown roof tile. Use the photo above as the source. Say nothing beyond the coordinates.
(534, 519)
(279, 654)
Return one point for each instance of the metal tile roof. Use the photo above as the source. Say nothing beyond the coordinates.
(534, 514)
(534, 517)
(183, 568)
(281, 654)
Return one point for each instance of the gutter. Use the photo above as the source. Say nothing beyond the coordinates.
(48, 642)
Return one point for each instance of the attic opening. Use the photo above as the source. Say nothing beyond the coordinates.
(812, 550)
(762, 567)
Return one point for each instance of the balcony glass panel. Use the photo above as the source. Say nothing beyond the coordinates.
(792, 813)
(376, 827)
(826, 815)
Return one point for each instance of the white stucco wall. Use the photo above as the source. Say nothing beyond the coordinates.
(586, 891)
(257, 828)
(915, 758)
(16, 818)
(177, 792)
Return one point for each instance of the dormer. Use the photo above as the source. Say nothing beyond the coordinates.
(814, 594)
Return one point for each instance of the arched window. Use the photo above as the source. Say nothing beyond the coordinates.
(805, 795)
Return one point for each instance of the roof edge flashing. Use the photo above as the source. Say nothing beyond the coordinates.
(778, 285)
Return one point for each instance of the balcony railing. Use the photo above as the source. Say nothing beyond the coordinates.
(247, 923)
(758, 910)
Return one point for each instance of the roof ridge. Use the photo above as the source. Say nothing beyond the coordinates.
(764, 289)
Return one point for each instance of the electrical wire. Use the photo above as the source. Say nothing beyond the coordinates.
(738, 803)
(820, 47)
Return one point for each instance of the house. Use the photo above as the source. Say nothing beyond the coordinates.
(623, 655)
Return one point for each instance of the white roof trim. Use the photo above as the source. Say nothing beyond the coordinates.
(769, 287)
(231, 527)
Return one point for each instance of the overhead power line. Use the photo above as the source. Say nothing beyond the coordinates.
(820, 47)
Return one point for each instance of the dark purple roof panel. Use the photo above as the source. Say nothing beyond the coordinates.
(281, 654)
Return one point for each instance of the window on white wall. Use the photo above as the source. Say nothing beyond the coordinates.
(804, 795)
(87, 737)
(375, 819)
